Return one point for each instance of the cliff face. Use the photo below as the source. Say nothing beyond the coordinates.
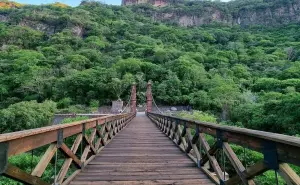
(268, 14)
(158, 3)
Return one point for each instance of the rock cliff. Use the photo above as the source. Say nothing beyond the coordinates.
(267, 13)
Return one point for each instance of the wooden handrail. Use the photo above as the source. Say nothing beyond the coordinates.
(278, 149)
(103, 129)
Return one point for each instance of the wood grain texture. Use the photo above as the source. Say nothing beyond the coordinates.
(141, 154)
(42, 165)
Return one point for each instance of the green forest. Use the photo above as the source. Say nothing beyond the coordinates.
(57, 58)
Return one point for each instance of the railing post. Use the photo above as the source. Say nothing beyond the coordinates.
(133, 98)
(149, 97)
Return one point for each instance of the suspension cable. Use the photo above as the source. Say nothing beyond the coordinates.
(128, 103)
(55, 168)
(156, 105)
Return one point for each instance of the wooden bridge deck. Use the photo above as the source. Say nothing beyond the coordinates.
(141, 154)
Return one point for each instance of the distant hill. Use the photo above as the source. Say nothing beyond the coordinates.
(9, 4)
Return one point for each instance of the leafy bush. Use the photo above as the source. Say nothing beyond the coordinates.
(26, 115)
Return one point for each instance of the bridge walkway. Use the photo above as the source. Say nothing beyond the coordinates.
(141, 154)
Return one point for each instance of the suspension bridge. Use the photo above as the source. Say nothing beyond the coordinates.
(149, 148)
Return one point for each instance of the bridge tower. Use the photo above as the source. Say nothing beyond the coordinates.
(149, 97)
(133, 98)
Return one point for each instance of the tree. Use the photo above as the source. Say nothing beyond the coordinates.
(224, 93)
(26, 115)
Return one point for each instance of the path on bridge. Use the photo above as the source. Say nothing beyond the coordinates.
(141, 154)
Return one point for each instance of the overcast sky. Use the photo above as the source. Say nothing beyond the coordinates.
(69, 2)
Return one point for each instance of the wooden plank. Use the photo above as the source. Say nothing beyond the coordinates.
(137, 153)
(69, 179)
(99, 177)
(44, 161)
(148, 182)
(21, 176)
(288, 174)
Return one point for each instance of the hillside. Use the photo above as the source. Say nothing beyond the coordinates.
(60, 58)
(90, 55)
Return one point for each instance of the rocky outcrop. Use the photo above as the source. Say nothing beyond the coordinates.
(45, 27)
(158, 3)
(272, 14)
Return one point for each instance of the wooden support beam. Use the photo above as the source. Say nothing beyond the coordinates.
(21, 176)
(288, 174)
(87, 140)
(212, 159)
(193, 146)
(42, 165)
(250, 173)
(69, 179)
(67, 163)
(68, 153)
(93, 134)
(212, 151)
(236, 163)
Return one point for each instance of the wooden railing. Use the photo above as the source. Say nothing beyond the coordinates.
(92, 135)
(192, 137)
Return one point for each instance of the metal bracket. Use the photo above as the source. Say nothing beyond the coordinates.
(3, 157)
(222, 182)
(184, 130)
(60, 137)
(270, 154)
(83, 129)
(199, 163)
(219, 138)
(196, 136)
(197, 131)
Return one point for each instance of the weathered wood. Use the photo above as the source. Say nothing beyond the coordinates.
(250, 173)
(21, 176)
(288, 147)
(23, 141)
(212, 151)
(147, 182)
(64, 148)
(238, 166)
(87, 140)
(43, 163)
(65, 167)
(193, 146)
(211, 158)
(85, 153)
(138, 153)
(69, 179)
(288, 174)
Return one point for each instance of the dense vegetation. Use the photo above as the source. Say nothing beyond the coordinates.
(92, 53)
(55, 56)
